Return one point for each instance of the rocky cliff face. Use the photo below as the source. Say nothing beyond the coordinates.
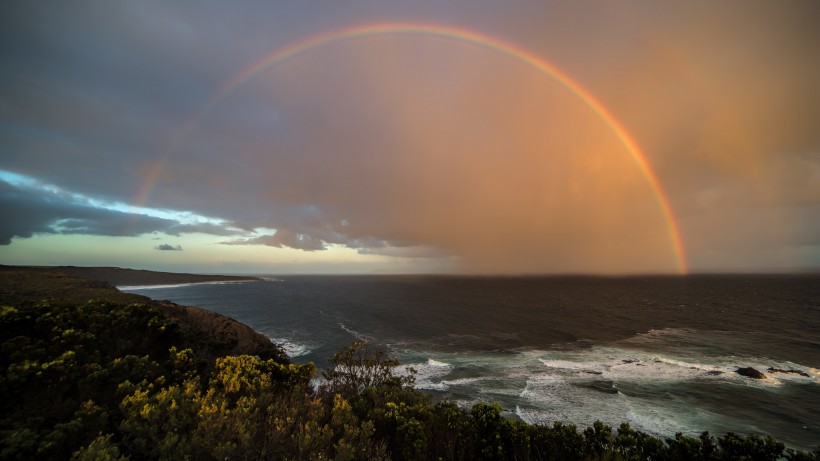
(218, 335)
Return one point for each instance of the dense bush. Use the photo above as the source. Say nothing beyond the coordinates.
(65, 367)
(105, 381)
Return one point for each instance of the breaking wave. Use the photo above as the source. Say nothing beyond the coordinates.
(658, 393)
(292, 348)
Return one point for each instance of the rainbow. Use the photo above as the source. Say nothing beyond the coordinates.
(453, 33)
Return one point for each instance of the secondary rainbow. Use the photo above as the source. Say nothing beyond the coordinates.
(447, 32)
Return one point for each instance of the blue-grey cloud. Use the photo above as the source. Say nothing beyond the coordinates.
(283, 238)
(204, 228)
(30, 210)
(167, 247)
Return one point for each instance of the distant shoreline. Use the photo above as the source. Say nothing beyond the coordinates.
(177, 285)
(129, 278)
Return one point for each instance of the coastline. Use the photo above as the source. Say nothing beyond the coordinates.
(177, 285)
(210, 338)
(122, 277)
(215, 335)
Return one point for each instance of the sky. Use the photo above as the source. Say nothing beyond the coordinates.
(478, 137)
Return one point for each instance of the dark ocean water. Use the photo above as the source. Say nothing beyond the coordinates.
(657, 352)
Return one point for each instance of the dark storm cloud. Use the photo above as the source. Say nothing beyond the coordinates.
(167, 247)
(204, 228)
(27, 211)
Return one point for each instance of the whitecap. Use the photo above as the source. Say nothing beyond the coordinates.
(427, 374)
(292, 348)
(549, 398)
(573, 365)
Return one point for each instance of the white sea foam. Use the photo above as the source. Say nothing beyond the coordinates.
(611, 384)
(448, 384)
(354, 333)
(463, 381)
(292, 348)
(636, 367)
(574, 366)
(665, 418)
(548, 398)
(429, 374)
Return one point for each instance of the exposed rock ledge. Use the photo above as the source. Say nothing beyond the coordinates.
(796, 372)
(219, 335)
(750, 372)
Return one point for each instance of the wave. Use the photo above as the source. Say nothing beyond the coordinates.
(659, 390)
(292, 348)
(355, 334)
(649, 367)
(427, 374)
(179, 285)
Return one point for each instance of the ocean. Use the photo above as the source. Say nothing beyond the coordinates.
(656, 352)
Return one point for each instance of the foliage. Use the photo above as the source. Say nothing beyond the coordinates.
(358, 367)
(110, 381)
(66, 366)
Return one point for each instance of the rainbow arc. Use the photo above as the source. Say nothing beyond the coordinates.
(452, 33)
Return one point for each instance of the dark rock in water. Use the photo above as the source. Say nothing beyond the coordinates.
(750, 372)
(628, 361)
(796, 372)
(714, 372)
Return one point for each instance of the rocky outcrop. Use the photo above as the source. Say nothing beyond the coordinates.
(750, 372)
(796, 372)
(215, 335)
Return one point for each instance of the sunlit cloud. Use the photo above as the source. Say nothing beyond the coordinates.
(35, 207)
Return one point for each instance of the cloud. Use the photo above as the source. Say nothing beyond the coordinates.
(29, 210)
(167, 247)
(205, 228)
(283, 238)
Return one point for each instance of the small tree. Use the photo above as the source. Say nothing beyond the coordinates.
(359, 367)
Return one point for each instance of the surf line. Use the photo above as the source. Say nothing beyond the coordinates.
(448, 32)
